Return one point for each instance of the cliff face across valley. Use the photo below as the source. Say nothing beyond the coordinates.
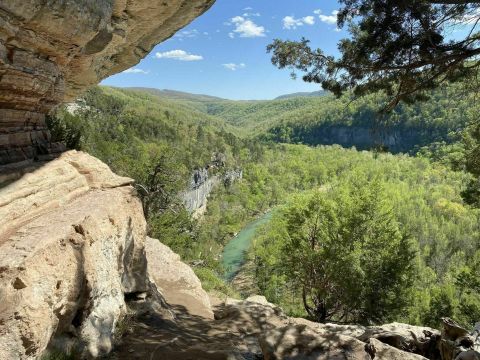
(196, 197)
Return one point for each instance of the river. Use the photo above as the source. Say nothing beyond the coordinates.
(234, 253)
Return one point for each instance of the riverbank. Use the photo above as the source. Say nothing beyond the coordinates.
(234, 253)
(244, 282)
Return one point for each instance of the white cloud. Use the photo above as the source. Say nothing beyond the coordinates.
(181, 55)
(309, 20)
(231, 35)
(136, 71)
(187, 34)
(247, 28)
(234, 67)
(289, 22)
(250, 14)
(467, 19)
(248, 8)
(329, 19)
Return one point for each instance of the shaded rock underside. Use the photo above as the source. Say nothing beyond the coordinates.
(50, 52)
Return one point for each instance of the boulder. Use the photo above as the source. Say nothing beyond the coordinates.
(476, 336)
(382, 351)
(176, 280)
(413, 339)
(302, 342)
(71, 249)
(457, 343)
(260, 300)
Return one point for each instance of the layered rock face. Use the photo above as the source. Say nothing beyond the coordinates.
(73, 254)
(365, 137)
(52, 51)
(71, 248)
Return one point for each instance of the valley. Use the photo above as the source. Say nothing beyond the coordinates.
(312, 194)
(138, 130)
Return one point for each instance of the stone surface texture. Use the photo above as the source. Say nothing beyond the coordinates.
(71, 247)
(51, 51)
(176, 280)
(201, 186)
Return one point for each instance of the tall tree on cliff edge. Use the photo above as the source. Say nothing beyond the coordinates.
(401, 47)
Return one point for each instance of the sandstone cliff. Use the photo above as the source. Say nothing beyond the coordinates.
(73, 253)
(176, 280)
(52, 51)
(71, 246)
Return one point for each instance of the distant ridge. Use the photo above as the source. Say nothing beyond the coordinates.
(181, 95)
(175, 95)
(302, 94)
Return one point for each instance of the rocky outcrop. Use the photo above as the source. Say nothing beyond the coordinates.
(71, 249)
(176, 280)
(50, 52)
(253, 329)
(196, 197)
(301, 342)
(281, 337)
(201, 186)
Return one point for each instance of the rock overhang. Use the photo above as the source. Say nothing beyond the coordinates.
(50, 52)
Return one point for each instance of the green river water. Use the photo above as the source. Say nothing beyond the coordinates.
(234, 253)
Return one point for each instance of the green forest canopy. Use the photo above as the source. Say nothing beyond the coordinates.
(133, 130)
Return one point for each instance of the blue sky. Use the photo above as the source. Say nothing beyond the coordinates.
(222, 53)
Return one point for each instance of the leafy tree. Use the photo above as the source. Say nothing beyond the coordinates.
(344, 251)
(399, 46)
(471, 142)
(67, 129)
(159, 182)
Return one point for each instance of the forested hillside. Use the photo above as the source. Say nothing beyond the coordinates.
(159, 138)
(302, 94)
(123, 125)
(424, 201)
(325, 120)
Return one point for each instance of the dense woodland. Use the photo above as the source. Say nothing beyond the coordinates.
(399, 224)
